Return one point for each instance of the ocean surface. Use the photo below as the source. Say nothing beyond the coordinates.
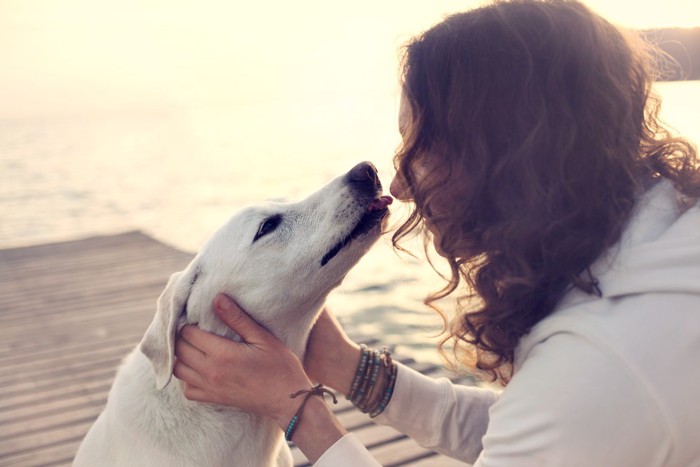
(177, 175)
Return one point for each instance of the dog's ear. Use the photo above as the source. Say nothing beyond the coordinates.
(158, 344)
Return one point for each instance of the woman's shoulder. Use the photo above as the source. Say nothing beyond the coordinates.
(648, 282)
(616, 362)
(568, 399)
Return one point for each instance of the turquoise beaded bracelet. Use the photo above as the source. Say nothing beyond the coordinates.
(366, 375)
(317, 390)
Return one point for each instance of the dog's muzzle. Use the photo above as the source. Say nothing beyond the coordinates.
(363, 180)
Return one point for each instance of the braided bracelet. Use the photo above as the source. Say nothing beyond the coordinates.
(317, 390)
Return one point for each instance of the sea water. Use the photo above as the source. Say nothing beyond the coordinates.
(178, 175)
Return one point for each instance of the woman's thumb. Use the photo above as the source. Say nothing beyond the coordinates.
(234, 317)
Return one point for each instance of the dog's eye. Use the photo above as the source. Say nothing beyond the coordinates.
(267, 226)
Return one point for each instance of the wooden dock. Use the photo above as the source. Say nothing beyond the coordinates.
(69, 312)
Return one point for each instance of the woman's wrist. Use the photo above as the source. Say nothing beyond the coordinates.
(340, 369)
(316, 428)
(331, 357)
(374, 381)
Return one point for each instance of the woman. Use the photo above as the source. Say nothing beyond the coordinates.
(534, 159)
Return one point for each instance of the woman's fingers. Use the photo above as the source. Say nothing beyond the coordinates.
(203, 341)
(187, 374)
(256, 375)
(234, 317)
(190, 361)
(185, 350)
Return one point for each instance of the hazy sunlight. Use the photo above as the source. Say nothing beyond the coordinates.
(66, 57)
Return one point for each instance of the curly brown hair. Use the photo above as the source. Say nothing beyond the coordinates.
(538, 131)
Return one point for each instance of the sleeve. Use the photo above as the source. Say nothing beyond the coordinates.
(575, 402)
(438, 414)
(348, 451)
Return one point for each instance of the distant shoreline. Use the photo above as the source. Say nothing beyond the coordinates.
(682, 46)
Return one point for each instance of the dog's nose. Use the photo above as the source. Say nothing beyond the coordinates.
(364, 173)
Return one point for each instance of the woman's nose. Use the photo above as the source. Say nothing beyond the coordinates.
(398, 189)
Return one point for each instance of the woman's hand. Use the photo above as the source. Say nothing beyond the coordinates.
(331, 357)
(256, 375)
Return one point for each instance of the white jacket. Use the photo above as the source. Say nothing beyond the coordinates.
(609, 381)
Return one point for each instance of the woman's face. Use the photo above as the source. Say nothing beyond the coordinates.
(398, 188)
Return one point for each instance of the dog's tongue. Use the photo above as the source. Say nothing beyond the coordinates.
(380, 203)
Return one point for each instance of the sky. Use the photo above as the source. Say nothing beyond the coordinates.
(66, 57)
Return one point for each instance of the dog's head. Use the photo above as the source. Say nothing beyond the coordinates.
(278, 261)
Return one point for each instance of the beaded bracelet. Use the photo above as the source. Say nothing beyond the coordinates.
(366, 375)
(368, 380)
(317, 390)
(390, 372)
(359, 373)
(372, 382)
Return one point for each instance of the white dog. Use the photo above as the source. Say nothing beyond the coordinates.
(279, 262)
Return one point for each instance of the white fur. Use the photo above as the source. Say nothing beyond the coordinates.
(279, 280)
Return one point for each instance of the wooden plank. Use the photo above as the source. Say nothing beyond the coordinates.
(49, 420)
(33, 356)
(59, 452)
(70, 312)
(67, 407)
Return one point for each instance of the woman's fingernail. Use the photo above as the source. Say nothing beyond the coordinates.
(223, 302)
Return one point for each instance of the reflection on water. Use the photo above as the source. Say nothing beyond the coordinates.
(179, 175)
